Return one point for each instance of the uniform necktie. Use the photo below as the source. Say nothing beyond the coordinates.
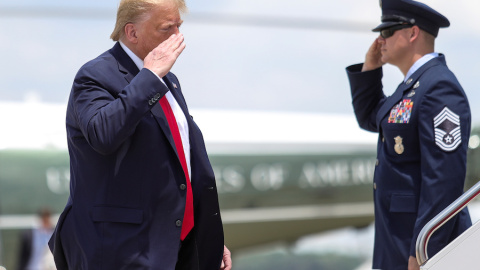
(187, 223)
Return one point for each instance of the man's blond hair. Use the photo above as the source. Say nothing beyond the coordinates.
(132, 11)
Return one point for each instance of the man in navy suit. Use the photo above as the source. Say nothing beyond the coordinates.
(423, 127)
(135, 155)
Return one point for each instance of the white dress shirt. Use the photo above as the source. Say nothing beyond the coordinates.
(177, 110)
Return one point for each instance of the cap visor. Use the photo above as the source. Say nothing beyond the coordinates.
(385, 25)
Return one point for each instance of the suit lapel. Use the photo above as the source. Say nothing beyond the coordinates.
(160, 115)
(161, 119)
(174, 89)
(125, 63)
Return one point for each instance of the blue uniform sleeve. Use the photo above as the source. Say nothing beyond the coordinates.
(443, 169)
(367, 95)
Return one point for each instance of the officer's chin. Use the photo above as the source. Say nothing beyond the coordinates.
(384, 59)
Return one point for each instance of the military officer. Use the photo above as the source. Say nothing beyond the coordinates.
(423, 130)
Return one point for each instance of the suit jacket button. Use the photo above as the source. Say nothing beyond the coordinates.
(377, 162)
(157, 96)
(150, 102)
(374, 185)
(178, 223)
(183, 187)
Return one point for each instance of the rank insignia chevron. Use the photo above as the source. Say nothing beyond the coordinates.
(447, 130)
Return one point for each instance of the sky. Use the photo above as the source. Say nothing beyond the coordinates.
(272, 55)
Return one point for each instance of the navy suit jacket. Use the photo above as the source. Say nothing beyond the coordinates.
(414, 178)
(127, 190)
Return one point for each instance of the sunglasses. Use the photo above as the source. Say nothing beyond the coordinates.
(388, 32)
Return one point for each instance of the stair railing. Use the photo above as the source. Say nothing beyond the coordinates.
(438, 221)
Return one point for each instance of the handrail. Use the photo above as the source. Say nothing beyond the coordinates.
(440, 219)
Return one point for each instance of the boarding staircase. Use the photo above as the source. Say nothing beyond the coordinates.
(461, 253)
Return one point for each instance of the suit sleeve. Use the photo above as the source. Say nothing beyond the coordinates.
(107, 116)
(367, 95)
(443, 170)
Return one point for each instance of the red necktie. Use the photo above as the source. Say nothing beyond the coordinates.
(187, 223)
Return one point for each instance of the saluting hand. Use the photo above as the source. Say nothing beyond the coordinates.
(373, 59)
(161, 59)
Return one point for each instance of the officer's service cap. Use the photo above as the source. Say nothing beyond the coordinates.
(397, 12)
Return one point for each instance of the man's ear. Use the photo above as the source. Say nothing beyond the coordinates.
(414, 33)
(131, 33)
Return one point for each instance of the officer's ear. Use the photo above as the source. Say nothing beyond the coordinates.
(414, 33)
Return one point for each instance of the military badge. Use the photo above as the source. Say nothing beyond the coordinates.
(412, 93)
(398, 145)
(400, 113)
(447, 130)
(417, 84)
